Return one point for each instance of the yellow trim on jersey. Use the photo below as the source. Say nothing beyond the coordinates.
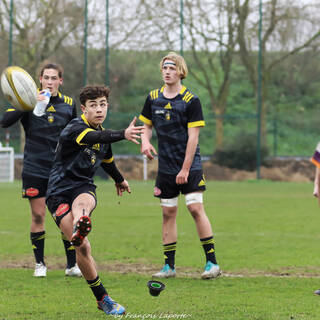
(194, 124)
(145, 120)
(108, 160)
(83, 117)
(81, 135)
(154, 94)
(68, 100)
(183, 89)
(188, 96)
(10, 109)
(162, 88)
(59, 94)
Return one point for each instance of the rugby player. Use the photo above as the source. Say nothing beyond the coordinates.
(42, 135)
(176, 114)
(83, 146)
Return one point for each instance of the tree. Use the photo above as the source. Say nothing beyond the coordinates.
(288, 28)
(209, 35)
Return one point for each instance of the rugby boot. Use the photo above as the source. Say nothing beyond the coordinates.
(81, 230)
(109, 306)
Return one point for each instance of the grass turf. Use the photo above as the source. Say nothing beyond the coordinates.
(267, 242)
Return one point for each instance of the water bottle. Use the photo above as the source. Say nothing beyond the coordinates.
(40, 108)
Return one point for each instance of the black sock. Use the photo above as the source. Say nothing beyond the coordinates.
(37, 240)
(70, 251)
(97, 288)
(208, 247)
(169, 253)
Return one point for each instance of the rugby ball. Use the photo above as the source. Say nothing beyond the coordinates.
(19, 88)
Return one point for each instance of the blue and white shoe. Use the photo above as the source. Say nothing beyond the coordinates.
(111, 307)
(165, 272)
(211, 270)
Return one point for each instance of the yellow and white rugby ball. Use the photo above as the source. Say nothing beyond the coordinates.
(19, 88)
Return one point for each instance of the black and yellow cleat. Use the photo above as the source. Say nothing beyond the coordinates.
(81, 230)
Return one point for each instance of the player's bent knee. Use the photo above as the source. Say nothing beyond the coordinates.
(195, 197)
(84, 249)
(169, 202)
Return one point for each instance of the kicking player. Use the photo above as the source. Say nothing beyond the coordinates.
(176, 114)
(42, 135)
(83, 146)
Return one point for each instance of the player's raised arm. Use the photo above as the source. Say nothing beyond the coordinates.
(10, 117)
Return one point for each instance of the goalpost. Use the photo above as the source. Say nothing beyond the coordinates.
(6, 164)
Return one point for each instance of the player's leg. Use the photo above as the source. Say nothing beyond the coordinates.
(203, 225)
(76, 225)
(193, 192)
(37, 234)
(168, 192)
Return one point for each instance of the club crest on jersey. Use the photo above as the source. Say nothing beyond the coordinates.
(168, 116)
(50, 118)
(93, 158)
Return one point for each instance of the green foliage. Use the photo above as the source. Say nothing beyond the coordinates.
(241, 153)
(293, 101)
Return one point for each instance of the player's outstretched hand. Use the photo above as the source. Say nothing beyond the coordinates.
(122, 187)
(132, 133)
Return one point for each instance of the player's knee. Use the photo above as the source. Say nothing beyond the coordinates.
(84, 249)
(38, 218)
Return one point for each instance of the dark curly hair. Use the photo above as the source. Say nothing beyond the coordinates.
(92, 92)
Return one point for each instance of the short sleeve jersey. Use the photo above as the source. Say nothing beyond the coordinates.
(75, 162)
(42, 134)
(171, 119)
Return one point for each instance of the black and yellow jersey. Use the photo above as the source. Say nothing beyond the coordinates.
(76, 162)
(171, 119)
(42, 133)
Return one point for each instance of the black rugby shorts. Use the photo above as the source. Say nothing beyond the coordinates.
(166, 187)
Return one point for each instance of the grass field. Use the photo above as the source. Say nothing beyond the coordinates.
(267, 242)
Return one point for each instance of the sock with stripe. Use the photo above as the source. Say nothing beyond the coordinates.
(208, 247)
(97, 288)
(70, 251)
(169, 251)
(37, 241)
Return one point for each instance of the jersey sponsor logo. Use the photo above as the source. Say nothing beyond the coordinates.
(159, 112)
(51, 109)
(32, 192)
(156, 191)
(62, 209)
